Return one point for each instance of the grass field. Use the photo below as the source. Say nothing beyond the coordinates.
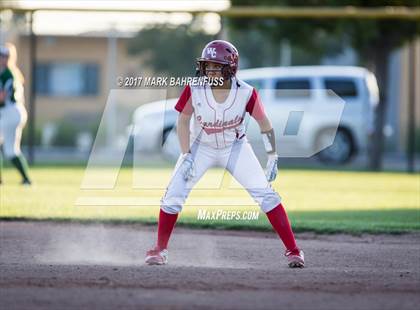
(320, 201)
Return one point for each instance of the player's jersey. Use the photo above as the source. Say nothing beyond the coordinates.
(219, 124)
(7, 84)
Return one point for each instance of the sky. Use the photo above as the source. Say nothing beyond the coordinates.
(72, 22)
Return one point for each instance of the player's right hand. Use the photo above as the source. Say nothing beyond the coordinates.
(271, 170)
(187, 166)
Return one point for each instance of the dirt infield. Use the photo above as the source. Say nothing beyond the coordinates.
(61, 266)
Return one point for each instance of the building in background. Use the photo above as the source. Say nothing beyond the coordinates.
(74, 77)
(73, 73)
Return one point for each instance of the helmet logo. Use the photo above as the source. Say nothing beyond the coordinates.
(211, 51)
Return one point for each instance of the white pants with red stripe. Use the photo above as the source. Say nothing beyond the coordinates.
(239, 160)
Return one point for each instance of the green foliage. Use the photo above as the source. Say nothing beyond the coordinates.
(25, 136)
(170, 50)
(66, 135)
(328, 36)
(67, 131)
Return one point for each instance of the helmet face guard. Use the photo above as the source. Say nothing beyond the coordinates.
(201, 69)
(221, 52)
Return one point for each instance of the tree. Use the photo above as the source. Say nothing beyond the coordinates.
(257, 49)
(374, 40)
(170, 49)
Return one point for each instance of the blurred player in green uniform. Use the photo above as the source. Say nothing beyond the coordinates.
(13, 115)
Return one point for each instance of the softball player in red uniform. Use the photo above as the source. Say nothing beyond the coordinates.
(211, 133)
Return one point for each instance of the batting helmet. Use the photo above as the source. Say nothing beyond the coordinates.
(221, 52)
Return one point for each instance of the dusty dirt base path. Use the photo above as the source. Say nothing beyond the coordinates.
(68, 266)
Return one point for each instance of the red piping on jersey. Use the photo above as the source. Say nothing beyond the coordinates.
(215, 116)
(224, 111)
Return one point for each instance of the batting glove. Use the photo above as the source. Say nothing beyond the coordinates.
(187, 166)
(271, 168)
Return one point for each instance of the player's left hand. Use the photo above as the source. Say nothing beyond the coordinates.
(271, 168)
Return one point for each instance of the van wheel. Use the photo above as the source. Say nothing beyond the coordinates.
(342, 149)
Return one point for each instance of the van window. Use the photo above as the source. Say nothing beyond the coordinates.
(341, 87)
(257, 84)
(293, 88)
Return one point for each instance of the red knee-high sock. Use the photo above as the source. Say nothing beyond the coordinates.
(165, 226)
(280, 222)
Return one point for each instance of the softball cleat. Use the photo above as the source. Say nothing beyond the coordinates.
(295, 260)
(156, 257)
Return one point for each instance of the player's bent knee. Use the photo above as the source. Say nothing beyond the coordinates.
(270, 201)
(171, 209)
(266, 198)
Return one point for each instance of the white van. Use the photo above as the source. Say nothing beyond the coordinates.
(291, 89)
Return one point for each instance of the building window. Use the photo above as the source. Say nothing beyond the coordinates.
(67, 79)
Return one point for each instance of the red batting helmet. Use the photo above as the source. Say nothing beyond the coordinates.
(221, 52)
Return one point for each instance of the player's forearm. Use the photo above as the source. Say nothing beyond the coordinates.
(265, 124)
(183, 130)
(268, 136)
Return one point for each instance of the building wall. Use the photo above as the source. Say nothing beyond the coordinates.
(72, 49)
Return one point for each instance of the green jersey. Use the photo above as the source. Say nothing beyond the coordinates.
(7, 84)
